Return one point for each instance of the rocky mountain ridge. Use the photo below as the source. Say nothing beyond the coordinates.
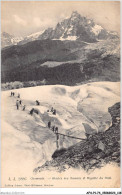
(76, 27)
(9, 40)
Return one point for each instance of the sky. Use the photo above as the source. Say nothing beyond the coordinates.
(21, 18)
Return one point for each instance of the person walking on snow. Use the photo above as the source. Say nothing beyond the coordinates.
(17, 104)
(37, 103)
(23, 107)
(52, 109)
(49, 124)
(56, 130)
(31, 112)
(53, 128)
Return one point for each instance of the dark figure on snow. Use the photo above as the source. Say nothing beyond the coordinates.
(18, 95)
(13, 93)
(54, 112)
(49, 124)
(20, 102)
(36, 111)
(52, 109)
(31, 112)
(53, 128)
(56, 130)
(87, 135)
(17, 104)
(23, 107)
(37, 103)
(57, 136)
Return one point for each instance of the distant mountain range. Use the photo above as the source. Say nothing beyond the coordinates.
(76, 27)
(9, 40)
(77, 50)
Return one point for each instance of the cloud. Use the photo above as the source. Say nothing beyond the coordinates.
(37, 21)
(42, 23)
(18, 14)
(19, 20)
(64, 15)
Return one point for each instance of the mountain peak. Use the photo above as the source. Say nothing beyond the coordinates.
(75, 14)
(76, 27)
(5, 34)
(8, 39)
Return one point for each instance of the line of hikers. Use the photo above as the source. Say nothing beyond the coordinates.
(12, 94)
(53, 128)
(52, 110)
(19, 103)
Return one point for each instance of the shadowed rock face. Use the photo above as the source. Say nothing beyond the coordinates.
(88, 129)
(99, 150)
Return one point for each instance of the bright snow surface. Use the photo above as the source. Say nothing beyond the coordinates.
(27, 140)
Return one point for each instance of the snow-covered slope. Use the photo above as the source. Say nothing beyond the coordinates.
(34, 35)
(31, 37)
(29, 135)
(9, 40)
(27, 143)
